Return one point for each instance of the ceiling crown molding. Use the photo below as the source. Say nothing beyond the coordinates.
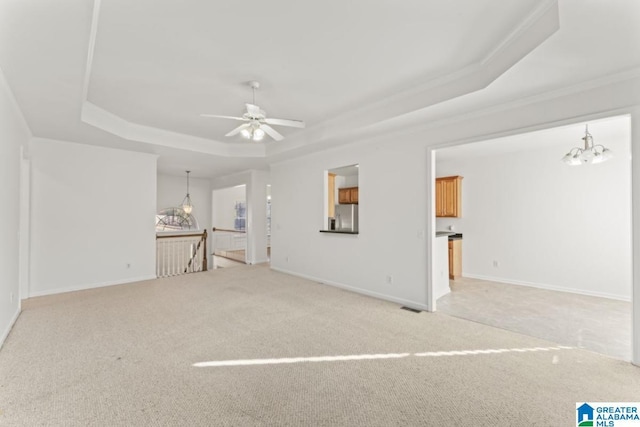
(116, 125)
(539, 25)
(102, 119)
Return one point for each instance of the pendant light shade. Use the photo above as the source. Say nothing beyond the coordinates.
(590, 154)
(187, 206)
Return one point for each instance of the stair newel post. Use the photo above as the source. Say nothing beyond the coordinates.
(204, 251)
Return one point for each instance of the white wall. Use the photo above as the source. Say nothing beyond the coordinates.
(395, 193)
(224, 201)
(92, 216)
(14, 134)
(391, 222)
(257, 217)
(171, 192)
(351, 181)
(547, 224)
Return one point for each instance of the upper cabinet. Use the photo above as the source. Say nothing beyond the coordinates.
(348, 195)
(449, 196)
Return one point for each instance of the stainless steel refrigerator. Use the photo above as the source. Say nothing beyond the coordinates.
(346, 218)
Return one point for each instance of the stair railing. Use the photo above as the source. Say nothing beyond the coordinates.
(181, 253)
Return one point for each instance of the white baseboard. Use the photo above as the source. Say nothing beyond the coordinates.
(258, 262)
(7, 330)
(89, 286)
(390, 298)
(548, 287)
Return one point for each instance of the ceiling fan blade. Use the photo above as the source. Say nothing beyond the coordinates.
(215, 116)
(238, 129)
(271, 132)
(286, 122)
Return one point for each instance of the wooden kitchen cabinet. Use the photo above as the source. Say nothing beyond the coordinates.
(449, 196)
(331, 184)
(348, 195)
(455, 258)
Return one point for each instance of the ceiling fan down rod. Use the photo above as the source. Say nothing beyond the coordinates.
(254, 85)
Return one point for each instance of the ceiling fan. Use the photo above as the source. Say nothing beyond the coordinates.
(257, 122)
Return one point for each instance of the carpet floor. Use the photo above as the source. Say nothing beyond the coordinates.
(138, 354)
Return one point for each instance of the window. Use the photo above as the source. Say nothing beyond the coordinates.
(240, 221)
(175, 219)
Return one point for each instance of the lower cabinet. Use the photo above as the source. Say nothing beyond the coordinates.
(455, 258)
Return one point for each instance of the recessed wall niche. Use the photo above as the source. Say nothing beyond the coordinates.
(341, 207)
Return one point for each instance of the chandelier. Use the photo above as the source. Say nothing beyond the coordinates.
(187, 206)
(589, 154)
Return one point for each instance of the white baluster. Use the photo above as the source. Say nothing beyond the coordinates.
(173, 259)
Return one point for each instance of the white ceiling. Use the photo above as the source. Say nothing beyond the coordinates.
(137, 74)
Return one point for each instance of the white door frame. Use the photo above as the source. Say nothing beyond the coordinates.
(635, 208)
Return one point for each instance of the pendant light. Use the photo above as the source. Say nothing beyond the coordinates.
(187, 206)
(590, 154)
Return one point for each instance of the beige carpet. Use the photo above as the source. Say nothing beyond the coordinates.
(124, 355)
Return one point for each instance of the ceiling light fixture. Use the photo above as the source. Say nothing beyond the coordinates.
(253, 132)
(257, 125)
(589, 154)
(187, 206)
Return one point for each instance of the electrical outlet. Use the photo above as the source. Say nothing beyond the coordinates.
(128, 265)
(286, 259)
(11, 296)
(389, 279)
(496, 264)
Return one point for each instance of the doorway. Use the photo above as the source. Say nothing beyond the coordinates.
(544, 243)
(229, 219)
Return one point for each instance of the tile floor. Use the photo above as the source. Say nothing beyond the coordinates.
(598, 324)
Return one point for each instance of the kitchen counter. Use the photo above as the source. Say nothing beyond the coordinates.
(444, 233)
(450, 234)
(339, 231)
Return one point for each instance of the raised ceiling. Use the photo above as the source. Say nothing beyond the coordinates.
(162, 63)
(136, 75)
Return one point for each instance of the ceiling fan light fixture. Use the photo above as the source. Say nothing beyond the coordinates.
(253, 132)
(258, 134)
(257, 124)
